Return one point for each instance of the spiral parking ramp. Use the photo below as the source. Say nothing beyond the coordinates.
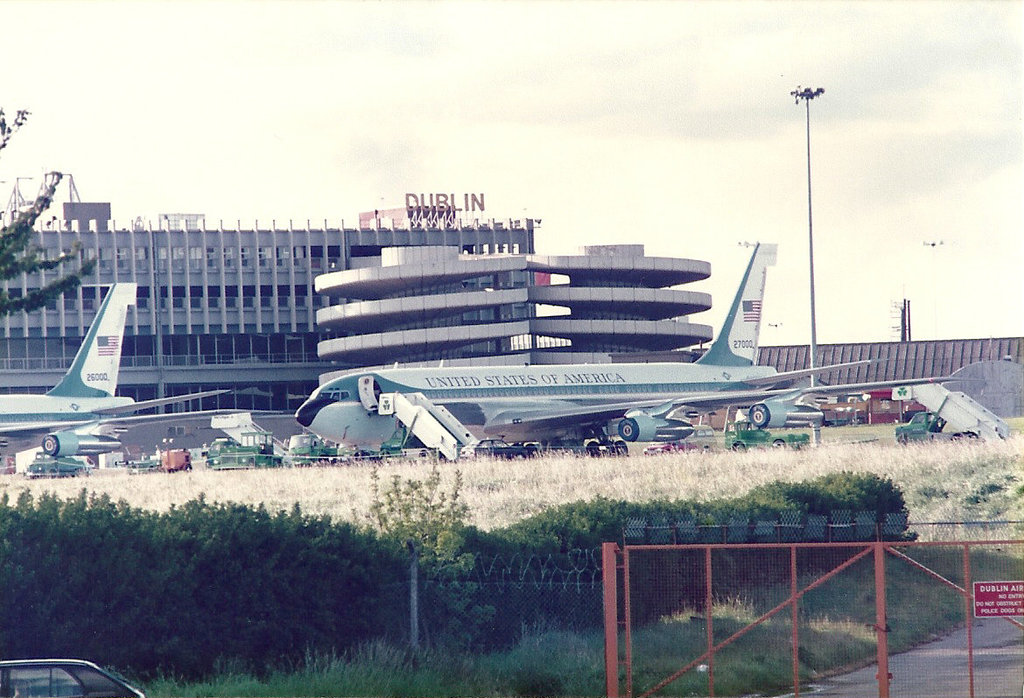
(434, 303)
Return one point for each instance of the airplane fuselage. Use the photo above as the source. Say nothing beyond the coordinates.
(478, 396)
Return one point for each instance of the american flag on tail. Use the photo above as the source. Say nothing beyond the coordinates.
(751, 311)
(107, 346)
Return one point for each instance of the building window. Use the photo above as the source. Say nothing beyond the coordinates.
(333, 256)
(178, 258)
(265, 256)
(195, 258)
(161, 259)
(283, 256)
(246, 258)
(122, 257)
(211, 257)
(229, 257)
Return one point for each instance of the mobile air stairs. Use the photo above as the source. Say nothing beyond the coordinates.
(240, 427)
(432, 424)
(962, 414)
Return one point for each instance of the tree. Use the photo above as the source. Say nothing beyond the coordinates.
(19, 255)
(419, 513)
(430, 524)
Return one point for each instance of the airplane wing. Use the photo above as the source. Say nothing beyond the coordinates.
(106, 426)
(158, 402)
(787, 377)
(527, 422)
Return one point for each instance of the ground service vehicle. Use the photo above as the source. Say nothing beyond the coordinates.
(170, 461)
(47, 466)
(46, 678)
(950, 415)
(672, 447)
(253, 450)
(499, 448)
(309, 449)
(743, 435)
(175, 459)
(702, 439)
(926, 426)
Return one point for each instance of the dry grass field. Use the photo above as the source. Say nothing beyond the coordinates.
(941, 481)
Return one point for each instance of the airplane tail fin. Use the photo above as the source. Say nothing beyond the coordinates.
(94, 370)
(736, 343)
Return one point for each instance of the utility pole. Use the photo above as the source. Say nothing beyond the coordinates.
(807, 94)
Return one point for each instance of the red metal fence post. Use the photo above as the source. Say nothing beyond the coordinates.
(710, 628)
(969, 618)
(609, 575)
(881, 622)
(793, 594)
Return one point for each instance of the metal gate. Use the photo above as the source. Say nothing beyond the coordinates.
(725, 619)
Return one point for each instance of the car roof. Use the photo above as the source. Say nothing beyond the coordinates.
(29, 662)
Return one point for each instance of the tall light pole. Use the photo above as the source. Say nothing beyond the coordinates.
(807, 94)
(935, 286)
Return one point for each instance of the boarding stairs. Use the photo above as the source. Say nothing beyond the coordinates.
(236, 424)
(961, 412)
(432, 424)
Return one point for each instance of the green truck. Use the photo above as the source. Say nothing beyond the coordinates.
(253, 450)
(48, 466)
(928, 426)
(306, 450)
(744, 435)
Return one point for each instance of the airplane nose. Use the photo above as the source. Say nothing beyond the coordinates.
(308, 411)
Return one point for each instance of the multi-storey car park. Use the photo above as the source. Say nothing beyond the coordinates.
(441, 303)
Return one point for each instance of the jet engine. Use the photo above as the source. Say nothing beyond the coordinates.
(68, 443)
(779, 413)
(638, 425)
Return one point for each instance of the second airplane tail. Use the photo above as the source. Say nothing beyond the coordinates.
(94, 370)
(736, 343)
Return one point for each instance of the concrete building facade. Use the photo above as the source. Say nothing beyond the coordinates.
(225, 307)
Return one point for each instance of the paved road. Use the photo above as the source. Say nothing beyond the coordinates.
(939, 669)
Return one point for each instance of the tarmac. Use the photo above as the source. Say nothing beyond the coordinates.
(939, 669)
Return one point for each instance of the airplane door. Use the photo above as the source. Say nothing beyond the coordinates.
(368, 392)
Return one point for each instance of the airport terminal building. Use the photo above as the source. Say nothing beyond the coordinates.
(225, 307)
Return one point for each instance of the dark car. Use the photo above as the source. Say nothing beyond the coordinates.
(498, 448)
(51, 678)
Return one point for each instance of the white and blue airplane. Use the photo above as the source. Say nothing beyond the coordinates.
(81, 414)
(548, 403)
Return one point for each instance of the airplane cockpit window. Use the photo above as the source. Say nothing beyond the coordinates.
(335, 394)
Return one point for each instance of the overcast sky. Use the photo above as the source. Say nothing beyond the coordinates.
(668, 124)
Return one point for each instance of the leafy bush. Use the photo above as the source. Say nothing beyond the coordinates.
(178, 591)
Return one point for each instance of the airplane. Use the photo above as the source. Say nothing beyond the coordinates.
(551, 403)
(80, 414)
